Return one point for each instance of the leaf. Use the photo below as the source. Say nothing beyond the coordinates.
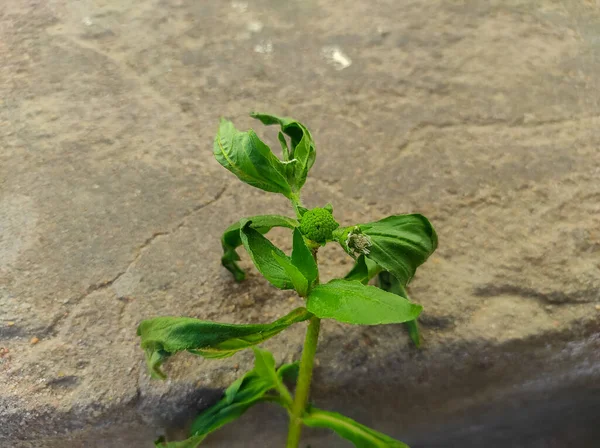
(249, 391)
(297, 278)
(303, 259)
(305, 154)
(302, 146)
(412, 326)
(261, 252)
(162, 337)
(354, 303)
(231, 238)
(360, 435)
(289, 372)
(246, 156)
(400, 243)
(284, 146)
(264, 363)
(364, 270)
(292, 128)
(264, 366)
(192, 442)
(302, 210)
(389, 283)
(245, 392)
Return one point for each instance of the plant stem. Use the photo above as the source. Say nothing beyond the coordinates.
(306, 363)
(304, 378)
(296, 203)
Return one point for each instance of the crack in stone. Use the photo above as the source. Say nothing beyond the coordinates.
(190, 212)
(138, 254)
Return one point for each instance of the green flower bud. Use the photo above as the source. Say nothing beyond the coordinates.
(318, 225)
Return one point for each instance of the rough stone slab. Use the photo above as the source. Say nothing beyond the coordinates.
(485, 116)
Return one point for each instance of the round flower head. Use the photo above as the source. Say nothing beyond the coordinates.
(317, 225)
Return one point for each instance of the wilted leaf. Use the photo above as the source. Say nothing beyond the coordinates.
(246, 156)
(231, 238)
(162, 337)
(399, 244)
(245, 392)
(261, 252)
(302, 147)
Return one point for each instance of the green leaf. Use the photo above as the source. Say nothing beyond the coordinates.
(292, 128)
(162, 337)
(399, 244)
(360, 435)
(245, 392)
(389, 283)
(364, 270)
(284, 146)
(289, 372)
(239, 397)
(412, 326)
(192, 442)
(302, 150)
(305, 154)
(354, 303)
(264, 366)
(302, 210)
(246, 156)
(303, 259)
(261, 252)
(297, 278)
(231, 238)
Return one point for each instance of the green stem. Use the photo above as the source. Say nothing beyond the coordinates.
(296, 203)
(304, 378)
(306, 363)
(284, 393)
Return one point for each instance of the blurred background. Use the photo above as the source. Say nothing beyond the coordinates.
(482, 115)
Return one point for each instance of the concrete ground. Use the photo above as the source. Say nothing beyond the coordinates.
(483, 115)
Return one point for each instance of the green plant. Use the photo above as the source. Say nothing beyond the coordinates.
(390, 249)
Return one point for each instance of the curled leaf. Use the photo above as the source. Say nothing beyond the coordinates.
(244, 393)
(302, 147)
(260, 384)
(251, 160)
(162, 337)
(399, 243)
(261, 252)
(231, 240)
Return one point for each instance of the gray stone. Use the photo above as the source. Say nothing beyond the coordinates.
(482, 115)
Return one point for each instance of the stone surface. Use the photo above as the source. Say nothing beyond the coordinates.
(484, 116)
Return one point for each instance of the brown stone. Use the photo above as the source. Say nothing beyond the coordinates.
(484, 116)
